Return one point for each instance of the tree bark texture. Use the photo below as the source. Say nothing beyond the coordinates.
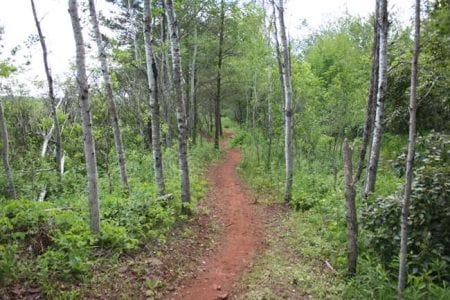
(5, 154)
(180, 104)
(51, 96)
(402, 274)
(113, 115)
(350, 207)
(288, 112)
(154, 99)
(88, 137)
(372, 96)
(193, 88)
(379, 112)
(217, 123)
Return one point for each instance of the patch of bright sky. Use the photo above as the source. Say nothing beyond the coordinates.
(17, 19)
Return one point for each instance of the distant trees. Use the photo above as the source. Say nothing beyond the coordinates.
(5, 154)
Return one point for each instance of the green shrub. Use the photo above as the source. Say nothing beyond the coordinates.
(429, 219)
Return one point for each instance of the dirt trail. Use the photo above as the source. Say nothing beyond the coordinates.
(240, 238)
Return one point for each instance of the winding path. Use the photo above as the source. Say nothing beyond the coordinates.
(240, 238)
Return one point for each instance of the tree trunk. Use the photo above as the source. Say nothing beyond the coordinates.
(5, 154)
(382, 86)
(288, 112)
(371, 98)
(217, 123)
(192, 90)
(51, 96)
(135, 24)
(402, 273)
(181, 114)
(88, 137)
(350, 207)
(279, 57)
(154, 99)
(113, 116)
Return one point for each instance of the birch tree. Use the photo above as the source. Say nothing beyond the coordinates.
(5, 154)
(154, 98)
(193, 87)
(288, 112)
(402, 273)
(51, 96)
(372, 96)
(379, 112)
(180, 104)
(113, 115)
(88, 137)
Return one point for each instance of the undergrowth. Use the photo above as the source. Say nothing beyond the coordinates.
(306, 252)
(49, 244)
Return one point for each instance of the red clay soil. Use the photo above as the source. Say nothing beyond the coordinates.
(240, 239)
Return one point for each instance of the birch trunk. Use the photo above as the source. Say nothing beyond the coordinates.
(88, 138)
(154, 99)
(379, 112)
(5, 154)
(371, 98)
(51, 96)
(350, 207)
(217, 123)
(192, 91)
(288, 112)
(279, 57)
(113, 116)
(402, 273)
(135, 24)
(181, 114)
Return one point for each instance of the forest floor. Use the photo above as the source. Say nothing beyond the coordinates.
(240, 237)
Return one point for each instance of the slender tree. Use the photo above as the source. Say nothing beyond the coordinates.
(379, 112)
(5, 154)
(217, 123)
(154, 98)
(51, 96)
(372, 96)
(180, 104)
(113, 115)
(193, 87)
(88, 137)
(402, 273)
(288, 112)
(350, 207)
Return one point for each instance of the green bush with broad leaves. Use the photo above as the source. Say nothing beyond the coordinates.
(429, 219)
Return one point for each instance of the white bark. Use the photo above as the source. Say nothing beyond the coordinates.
(180, 104)
(154, 99)
(113, 115)
(192, 90)
(5, 154)
(372, 95)
(88, 138)
(288, 112)
(379, 112)
(402, 274)
(51, 96)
